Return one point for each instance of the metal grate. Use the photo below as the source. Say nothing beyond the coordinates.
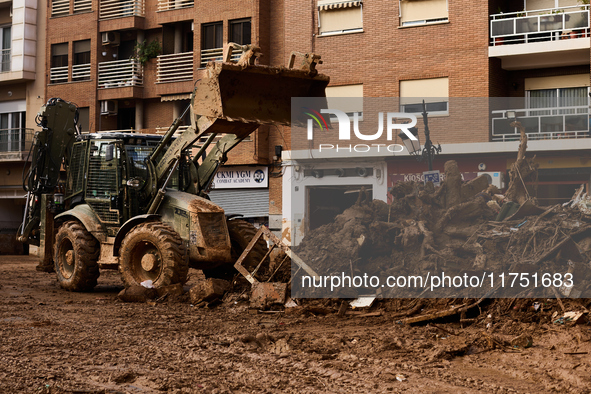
(60, 7)
(249, 203)
(58, 74)
(77, 167)
(102, 184)
(82, 6)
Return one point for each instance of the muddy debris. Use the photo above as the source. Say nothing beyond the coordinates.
(452, 230)
(138, 294)
(209, 290)
(523, 341)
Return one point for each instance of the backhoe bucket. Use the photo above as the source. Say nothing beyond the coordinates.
(253, 94)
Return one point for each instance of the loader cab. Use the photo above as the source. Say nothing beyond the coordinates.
(99, 169)
(94, 178)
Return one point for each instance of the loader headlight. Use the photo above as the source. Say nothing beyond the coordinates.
(135, 183)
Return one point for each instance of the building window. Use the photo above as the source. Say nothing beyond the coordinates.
(556, 92)
(347, 98)
(12, 132)
(339, 17)
(575, 99)
(59, 55)
(240, 31)
(420, 12)
(434, 91)
(212, 36)
(212, 41)
(81, 65)
(557, 113)
(59, 63)
(5, 41)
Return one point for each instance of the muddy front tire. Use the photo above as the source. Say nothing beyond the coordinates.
(153, 251)
(76, 257)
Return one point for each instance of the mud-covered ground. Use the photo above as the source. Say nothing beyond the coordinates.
(54, 341)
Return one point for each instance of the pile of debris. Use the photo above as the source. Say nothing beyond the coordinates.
(457, 230)
(419, 233)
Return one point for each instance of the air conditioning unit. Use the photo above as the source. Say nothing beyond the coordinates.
(494, 178)
(111, 38)
(109, 107)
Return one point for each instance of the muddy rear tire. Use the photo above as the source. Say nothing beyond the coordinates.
(153, 251)
(76, 257)
(241, 233)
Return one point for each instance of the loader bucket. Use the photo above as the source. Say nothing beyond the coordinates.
(253, 94)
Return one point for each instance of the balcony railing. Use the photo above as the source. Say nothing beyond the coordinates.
(120, 73)
(110, 9)
(80, 72)
(60, 7)
(175, 67)
(216, 54)
(539, 25)
(82, 6)
(165, 5)
(58, 74)
(5, 60)
(542, 123)
(14, 141)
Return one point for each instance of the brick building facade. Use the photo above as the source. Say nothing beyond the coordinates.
(471, 62)
(22, 69)
(95, 67)
(535, 51)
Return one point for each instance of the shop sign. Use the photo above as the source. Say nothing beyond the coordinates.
(241, 177)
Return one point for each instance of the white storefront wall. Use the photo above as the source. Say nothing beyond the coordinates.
(295, 184)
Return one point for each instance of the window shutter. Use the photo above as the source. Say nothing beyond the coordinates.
(560, 81)
(334, 96)
(339, 19)
(419, 10)
(431, 90)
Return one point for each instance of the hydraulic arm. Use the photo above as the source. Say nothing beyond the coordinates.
(51, 148)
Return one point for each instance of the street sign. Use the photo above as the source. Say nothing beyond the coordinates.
(432, 176)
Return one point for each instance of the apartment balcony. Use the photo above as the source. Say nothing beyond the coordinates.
(15, 143)
(120, 79)
(216, 55)
(542, 123)
(167, 5)
(175, 67)
(120, 73)
(110, 9)
(554, 37)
